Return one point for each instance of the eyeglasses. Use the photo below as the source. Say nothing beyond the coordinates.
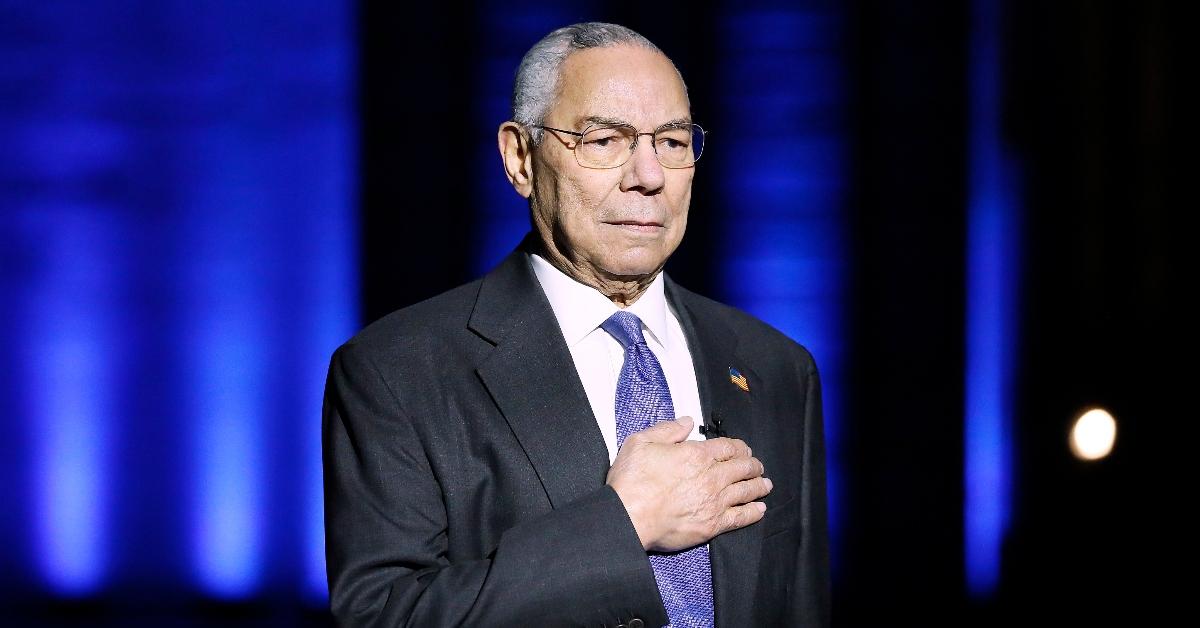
(611, 145)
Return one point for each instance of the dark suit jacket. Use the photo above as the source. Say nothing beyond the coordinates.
(465, 472)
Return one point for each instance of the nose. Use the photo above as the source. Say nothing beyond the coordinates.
(642, 173)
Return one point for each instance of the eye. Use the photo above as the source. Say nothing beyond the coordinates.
(605, 139)
(674, 139)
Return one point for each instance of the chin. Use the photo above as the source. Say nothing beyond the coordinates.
(634, 264)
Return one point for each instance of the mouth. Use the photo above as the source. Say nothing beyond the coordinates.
(637, 226)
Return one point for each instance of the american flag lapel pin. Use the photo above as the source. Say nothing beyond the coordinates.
(738, 379)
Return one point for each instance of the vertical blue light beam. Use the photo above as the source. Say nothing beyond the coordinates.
(73, 417)
(780, 151)
(992, 258)
(230, 373)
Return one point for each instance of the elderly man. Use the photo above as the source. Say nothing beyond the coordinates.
(567, 441)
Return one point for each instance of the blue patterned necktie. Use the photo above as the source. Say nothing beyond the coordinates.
(643, 399)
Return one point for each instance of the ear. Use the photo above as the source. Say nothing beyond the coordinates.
(517, 153)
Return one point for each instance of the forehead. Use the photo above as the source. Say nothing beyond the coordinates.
(625, 83)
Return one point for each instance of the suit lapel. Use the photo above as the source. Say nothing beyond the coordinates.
(532, 378)
(713, 345)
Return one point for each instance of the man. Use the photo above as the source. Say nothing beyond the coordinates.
(505, 453)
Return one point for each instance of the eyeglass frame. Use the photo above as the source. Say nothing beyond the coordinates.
(636, 138)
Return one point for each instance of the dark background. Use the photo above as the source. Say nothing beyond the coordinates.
(1090, 110)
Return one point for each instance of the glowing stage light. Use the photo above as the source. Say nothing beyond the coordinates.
(1093, 434)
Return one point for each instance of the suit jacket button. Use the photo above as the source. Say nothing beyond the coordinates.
(636, 623)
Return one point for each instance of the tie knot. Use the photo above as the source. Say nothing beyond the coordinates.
(625, 327)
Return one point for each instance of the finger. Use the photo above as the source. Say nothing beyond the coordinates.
(665, 431)
(727, 448)
(745, 491)
(742, 516)
(731, 471)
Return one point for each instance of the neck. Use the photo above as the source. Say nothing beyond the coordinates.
(623, 290)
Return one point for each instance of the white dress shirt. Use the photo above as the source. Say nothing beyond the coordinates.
(580, 309)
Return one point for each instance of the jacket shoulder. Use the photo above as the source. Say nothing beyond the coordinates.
(440, 317)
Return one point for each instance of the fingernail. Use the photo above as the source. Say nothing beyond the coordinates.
(761, 506)
(770, 484)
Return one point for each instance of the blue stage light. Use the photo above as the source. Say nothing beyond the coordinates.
(181, 181)
(72, 417)
(779, 153)
(993, 256)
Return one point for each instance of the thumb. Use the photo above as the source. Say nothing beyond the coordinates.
(669, 431)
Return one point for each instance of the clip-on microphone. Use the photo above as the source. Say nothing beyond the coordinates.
(712, 427)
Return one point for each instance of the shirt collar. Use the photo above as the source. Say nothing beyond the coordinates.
(580, 308)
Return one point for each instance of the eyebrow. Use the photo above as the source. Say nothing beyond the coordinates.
(675, 122)
(586, 120)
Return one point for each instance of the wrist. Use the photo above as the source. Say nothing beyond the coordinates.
(640, 517)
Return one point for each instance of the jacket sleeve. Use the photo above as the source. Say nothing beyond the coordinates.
(811, 602)
(386, 533)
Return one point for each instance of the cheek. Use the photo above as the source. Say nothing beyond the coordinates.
(579, 205)
(681, 200)
(558, 198)
(680, 224)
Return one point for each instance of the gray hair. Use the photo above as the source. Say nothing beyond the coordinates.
(537, 84)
